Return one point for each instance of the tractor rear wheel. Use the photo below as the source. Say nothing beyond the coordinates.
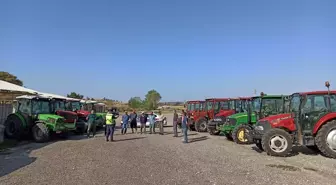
(326, 139)
(201, 125)
(241, 134)
(277, 142)
(40, 133)
(13, 127)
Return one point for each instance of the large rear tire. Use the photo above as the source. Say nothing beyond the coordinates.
(326, 139)
(201, 125)
(277, 142)
(40, 133)
(13, 127)
(241, 134)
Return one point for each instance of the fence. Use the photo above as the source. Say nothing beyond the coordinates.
(6, 108)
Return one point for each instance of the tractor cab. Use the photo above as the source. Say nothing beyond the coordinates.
(34, 115)
(59, 107)
(220, 107)
(194, 106)
(311, 123)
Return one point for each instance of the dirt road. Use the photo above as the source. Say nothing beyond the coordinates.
(156, 159)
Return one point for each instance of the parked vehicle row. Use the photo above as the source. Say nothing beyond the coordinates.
(41, 115)
(274, 123)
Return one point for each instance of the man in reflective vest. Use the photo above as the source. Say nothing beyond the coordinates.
(110, 125)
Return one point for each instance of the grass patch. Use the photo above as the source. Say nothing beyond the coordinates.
(7, 144)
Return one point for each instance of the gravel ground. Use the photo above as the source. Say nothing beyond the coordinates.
(155, 159)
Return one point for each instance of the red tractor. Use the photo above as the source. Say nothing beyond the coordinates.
(213, 106)
(311, 123)
(75, 106)
(59, 108)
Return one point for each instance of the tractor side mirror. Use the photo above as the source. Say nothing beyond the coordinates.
(327, 84)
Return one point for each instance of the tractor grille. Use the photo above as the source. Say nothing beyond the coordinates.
(68, 116)
(231, 121)
(265, 124)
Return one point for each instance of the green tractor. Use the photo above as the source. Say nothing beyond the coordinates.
(35, 116)
(238, 126)
(89, 105)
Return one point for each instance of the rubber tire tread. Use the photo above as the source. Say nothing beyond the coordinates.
(235, 134)
(320, 139)
(17, 121)
(276, 131)
(198, 123)
(45, 131)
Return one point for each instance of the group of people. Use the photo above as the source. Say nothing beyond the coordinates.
(112, 115)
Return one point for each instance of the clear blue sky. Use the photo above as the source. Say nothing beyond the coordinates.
(185, 49)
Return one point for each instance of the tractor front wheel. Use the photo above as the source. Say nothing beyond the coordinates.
(241, 134)
(277, 142)
(326, 139)
(201, 125)
(40, 133)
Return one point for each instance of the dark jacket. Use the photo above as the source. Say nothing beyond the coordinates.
(143, 119)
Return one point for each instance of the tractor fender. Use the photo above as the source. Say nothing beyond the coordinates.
(23, 121)
(323, 120)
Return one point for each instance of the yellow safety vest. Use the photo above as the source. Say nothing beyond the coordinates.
(109, 119)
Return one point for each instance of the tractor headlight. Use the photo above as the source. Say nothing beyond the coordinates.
(259, 127)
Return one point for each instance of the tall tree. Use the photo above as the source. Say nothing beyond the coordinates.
(152, 99)
(5, 76)
(135, 102)
(75, 95)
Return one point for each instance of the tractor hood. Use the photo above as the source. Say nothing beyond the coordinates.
(69, 116)
(225, 113)
(46, 116)
(61, 112)
(83, 113)
(279, 121)
(239, 115)
(277, 117)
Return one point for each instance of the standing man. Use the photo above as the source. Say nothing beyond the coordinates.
(161, 123)
(110, 125)
(143, 121)
(125, 118)
(133, 118)
(175, 118)
(151, 118)
(185, 127)
(91, 124)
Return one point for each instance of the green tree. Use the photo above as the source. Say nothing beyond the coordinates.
(152, 99)
(135, 102)
(5, 76)
(75, 95)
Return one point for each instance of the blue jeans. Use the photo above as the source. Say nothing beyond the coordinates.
(124, 126)
(185, 134)
(110, 131)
